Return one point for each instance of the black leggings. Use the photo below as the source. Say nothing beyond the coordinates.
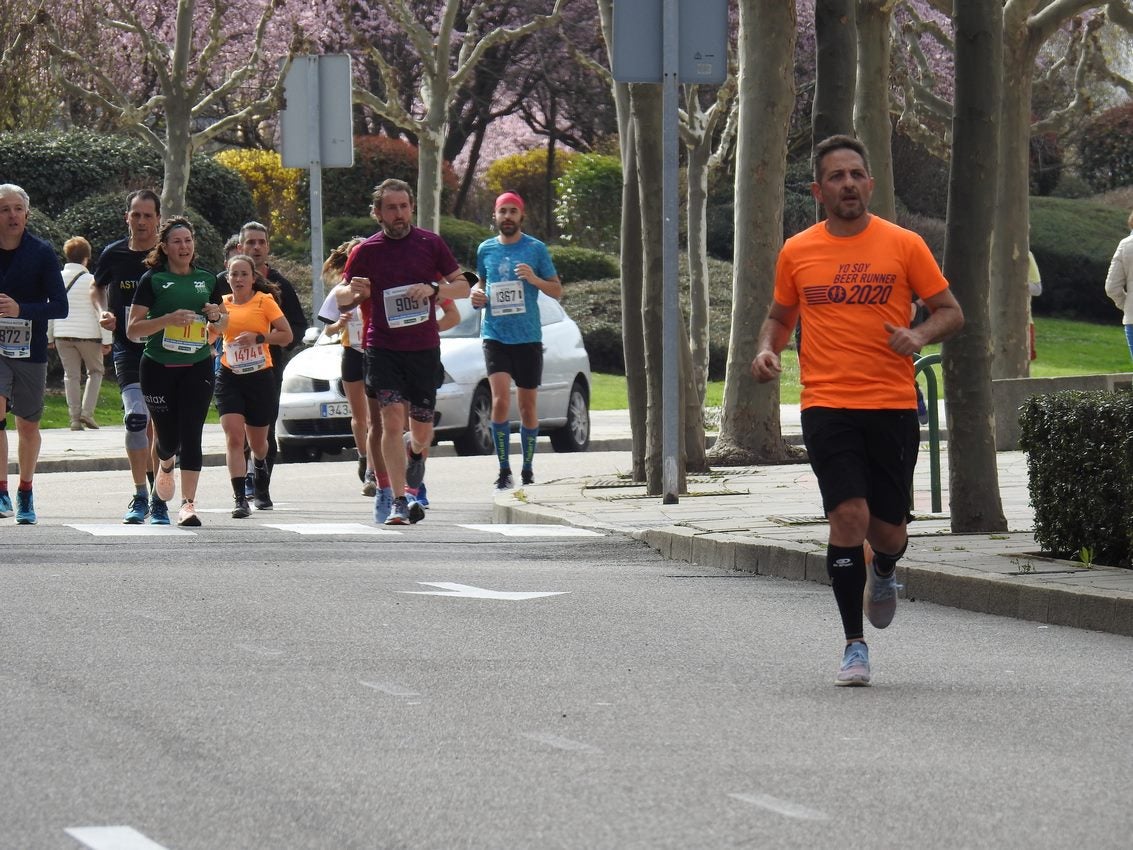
(178, 398)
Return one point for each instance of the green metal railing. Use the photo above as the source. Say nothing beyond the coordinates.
(925, 364)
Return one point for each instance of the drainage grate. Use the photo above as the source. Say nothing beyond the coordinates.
(798, 520)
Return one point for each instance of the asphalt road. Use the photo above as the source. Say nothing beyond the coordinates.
(244, 686)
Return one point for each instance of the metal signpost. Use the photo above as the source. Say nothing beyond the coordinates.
(316, 133)
(670, 42)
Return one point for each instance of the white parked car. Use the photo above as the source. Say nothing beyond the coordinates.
(314, 415)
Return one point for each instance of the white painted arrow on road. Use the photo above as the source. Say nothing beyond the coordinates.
(467, 591)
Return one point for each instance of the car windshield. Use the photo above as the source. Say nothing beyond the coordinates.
(469, 322)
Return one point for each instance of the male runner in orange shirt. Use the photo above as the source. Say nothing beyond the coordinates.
(852, 279)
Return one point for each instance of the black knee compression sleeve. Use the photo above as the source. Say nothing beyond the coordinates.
(846, 567)
(887, 563)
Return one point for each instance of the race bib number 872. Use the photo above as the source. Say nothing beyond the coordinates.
(15, 338)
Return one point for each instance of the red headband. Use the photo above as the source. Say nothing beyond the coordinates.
(509, 197)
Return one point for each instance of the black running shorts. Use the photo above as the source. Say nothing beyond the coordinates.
(404, 375)
(254, 396)
(868, 454)
(522, 360)
(353, 365)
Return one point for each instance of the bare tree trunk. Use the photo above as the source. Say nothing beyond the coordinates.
(973, 475)
(692, 417)
(176, 154)
(836, 54)
(632, 262)
(871, 109)
(549, 205)
(469, 176)
(1009, 351)
(697, 177)
(632, 281)
(645, 100)
(430, 143)
(750, 430)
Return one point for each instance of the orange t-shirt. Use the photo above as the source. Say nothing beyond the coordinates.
(255, 315)
(846, 289)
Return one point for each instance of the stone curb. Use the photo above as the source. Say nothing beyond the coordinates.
(1024, 597)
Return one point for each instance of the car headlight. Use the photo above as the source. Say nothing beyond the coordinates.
(298, 384)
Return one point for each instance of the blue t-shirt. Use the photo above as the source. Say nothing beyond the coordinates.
(512, 313)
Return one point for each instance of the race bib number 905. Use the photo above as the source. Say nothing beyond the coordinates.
(402, 310)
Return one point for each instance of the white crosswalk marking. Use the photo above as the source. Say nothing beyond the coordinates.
(331, 528)
(122, 530)
(111, 838)
(534, 530)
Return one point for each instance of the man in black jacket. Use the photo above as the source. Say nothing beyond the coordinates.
(31, 292)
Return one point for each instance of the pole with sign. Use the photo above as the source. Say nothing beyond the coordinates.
(670, 42)
(316, 133)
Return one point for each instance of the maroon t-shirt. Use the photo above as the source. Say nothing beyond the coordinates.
(395, 321)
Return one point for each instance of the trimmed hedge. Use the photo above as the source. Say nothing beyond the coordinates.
(1080, 467)
(1073, 242)
(100, 219)
(59, 170)
(575, 263)
(45, 228)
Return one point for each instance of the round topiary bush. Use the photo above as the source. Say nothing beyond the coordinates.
(583, 263)
(463, 238)
(221, 193)
(59, 169)
(101, 219)
(45, 228)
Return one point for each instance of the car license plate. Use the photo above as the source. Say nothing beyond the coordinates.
(334, 409)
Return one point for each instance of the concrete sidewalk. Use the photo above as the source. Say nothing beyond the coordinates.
(765, 520)
(768, 520)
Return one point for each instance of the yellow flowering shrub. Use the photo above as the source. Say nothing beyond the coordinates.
(279, 193)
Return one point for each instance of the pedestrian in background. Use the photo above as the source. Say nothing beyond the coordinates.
(1119, 279)
(852, 279)
(1034, 289)
(78, 338)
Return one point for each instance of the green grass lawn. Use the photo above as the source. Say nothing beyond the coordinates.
(108, 411)
(1064, 347)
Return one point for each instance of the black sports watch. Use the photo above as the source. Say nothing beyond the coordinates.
(436, 286)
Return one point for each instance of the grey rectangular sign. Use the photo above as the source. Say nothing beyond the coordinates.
(703, 41)
(334, 96)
